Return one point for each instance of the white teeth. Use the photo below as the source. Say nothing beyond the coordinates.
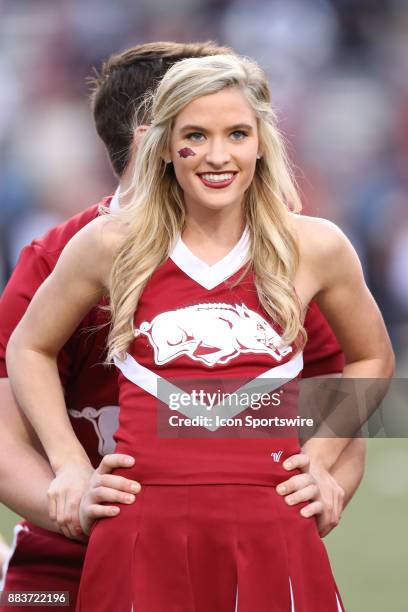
(218, 178)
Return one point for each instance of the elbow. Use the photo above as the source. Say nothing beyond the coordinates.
(12, 350)
(389, 363)
(385, 365)
(20, 346)
(16, 346)
(385, 358)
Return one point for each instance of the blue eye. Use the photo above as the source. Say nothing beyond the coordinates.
(195, 136)
(238, 135)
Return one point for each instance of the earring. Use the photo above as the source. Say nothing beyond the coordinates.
(167, 161)
(258, 156)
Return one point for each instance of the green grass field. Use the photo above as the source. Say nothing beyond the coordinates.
(369, 549)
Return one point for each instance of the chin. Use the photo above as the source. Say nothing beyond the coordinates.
(221, 201)
(214, 206)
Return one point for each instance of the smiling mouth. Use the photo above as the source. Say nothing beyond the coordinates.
(217, 180)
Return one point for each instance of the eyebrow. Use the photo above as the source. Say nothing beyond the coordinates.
(231, 128)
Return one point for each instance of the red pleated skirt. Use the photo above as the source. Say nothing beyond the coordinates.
(207, 548)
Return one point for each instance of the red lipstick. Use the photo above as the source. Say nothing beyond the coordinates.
(217, 184)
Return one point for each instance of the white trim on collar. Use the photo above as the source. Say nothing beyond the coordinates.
(115, 201)
(211, 276)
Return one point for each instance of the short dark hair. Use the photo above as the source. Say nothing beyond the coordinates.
(123, 81)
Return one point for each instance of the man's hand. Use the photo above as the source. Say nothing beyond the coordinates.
(332, 495)
(104, 488)
(65, 493)
(316, 486)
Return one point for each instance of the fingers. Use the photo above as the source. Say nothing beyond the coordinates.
(65, 494)
(72, 515)
(96, 511)
(333, 516)
(333, 502)
(72, 531)
(305, 494)
(300, 461)
(339, 503)
(117, 482)
(65, 513)
(106, 488)
(52, 506)
(324, 531)
(295, 483)
(91, 508)
(68, 516)
(326, 522)
(66, 532)
(114, 460)
(106, 494)
(60, 504)
(313, 509)
(332, 509)
(91, 512)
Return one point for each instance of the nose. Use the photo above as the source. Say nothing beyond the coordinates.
(218, 154)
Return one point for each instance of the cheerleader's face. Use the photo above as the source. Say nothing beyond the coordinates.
(214, 148)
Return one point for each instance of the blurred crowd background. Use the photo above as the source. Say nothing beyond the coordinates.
(339, 76)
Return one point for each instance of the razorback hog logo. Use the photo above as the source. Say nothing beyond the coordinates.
(211, 333)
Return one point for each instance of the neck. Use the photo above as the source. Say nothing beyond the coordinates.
(211, 235)
(124, 187)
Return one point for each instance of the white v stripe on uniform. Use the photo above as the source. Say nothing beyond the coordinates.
(159, 387)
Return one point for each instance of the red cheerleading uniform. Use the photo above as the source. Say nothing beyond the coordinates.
(42, 560)
(208, 530)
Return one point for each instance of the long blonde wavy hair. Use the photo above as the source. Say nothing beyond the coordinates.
(155, 216)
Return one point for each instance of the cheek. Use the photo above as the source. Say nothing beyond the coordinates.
(186, 152)
(246, 155)
(183, 169)
(248, 162)
(179, 150)
(185, 162)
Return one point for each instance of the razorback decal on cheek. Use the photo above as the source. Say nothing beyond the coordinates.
(186, 152)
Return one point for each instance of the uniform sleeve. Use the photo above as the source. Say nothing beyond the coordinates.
(322, 354)
(30, 272)
(36, 263)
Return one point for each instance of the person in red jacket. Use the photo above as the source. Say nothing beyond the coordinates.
(91, 390)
